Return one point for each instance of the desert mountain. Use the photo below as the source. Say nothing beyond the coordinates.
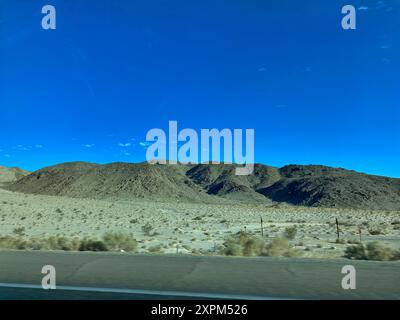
(11, 174)
(122, 180)
(321, 186)
(294, 184)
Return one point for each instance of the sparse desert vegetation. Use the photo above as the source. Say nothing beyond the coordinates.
(372, 251)
(39, 222)
(109, 242)
(244, 244)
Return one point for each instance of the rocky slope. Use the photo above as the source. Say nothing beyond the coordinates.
(11, 174)
(310, 185)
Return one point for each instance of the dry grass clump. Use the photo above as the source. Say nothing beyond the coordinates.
(119, 241)
(10, 242)
(50, 243)
(56, 243)
(280, 247)
(372, 251)
(245, 244)
(110, 242)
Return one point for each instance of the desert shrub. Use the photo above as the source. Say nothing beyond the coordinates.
(50, 243)
(19, 231)
(396, 255)
(119, 241)
(243, 244)
(37, 244)
(357, 252)
(340, 241)
(372, 251)
(290, 232)
(111, 241)
(147, 229)
(280, 247)
(155, 249)
(10, 242)
(378, 252)
(376, 231)
(232, 248)
(61, 243)
(353, 241)
(92, 245)
(252, 245)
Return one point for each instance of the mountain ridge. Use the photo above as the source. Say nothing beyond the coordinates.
(305, 185)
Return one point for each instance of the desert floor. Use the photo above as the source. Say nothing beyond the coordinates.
(175, 227)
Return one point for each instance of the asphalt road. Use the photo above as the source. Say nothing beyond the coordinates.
(126, 276)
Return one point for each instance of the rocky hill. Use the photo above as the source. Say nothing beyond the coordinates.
(11, 174)
(308, 185)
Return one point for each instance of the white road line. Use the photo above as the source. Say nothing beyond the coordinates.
(183, 294)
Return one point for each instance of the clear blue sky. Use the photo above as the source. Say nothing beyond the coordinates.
(314, 93)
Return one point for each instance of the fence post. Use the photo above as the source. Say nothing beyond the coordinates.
(337, 229)
(262, 228)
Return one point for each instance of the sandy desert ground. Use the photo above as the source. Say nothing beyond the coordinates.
(188, 228)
